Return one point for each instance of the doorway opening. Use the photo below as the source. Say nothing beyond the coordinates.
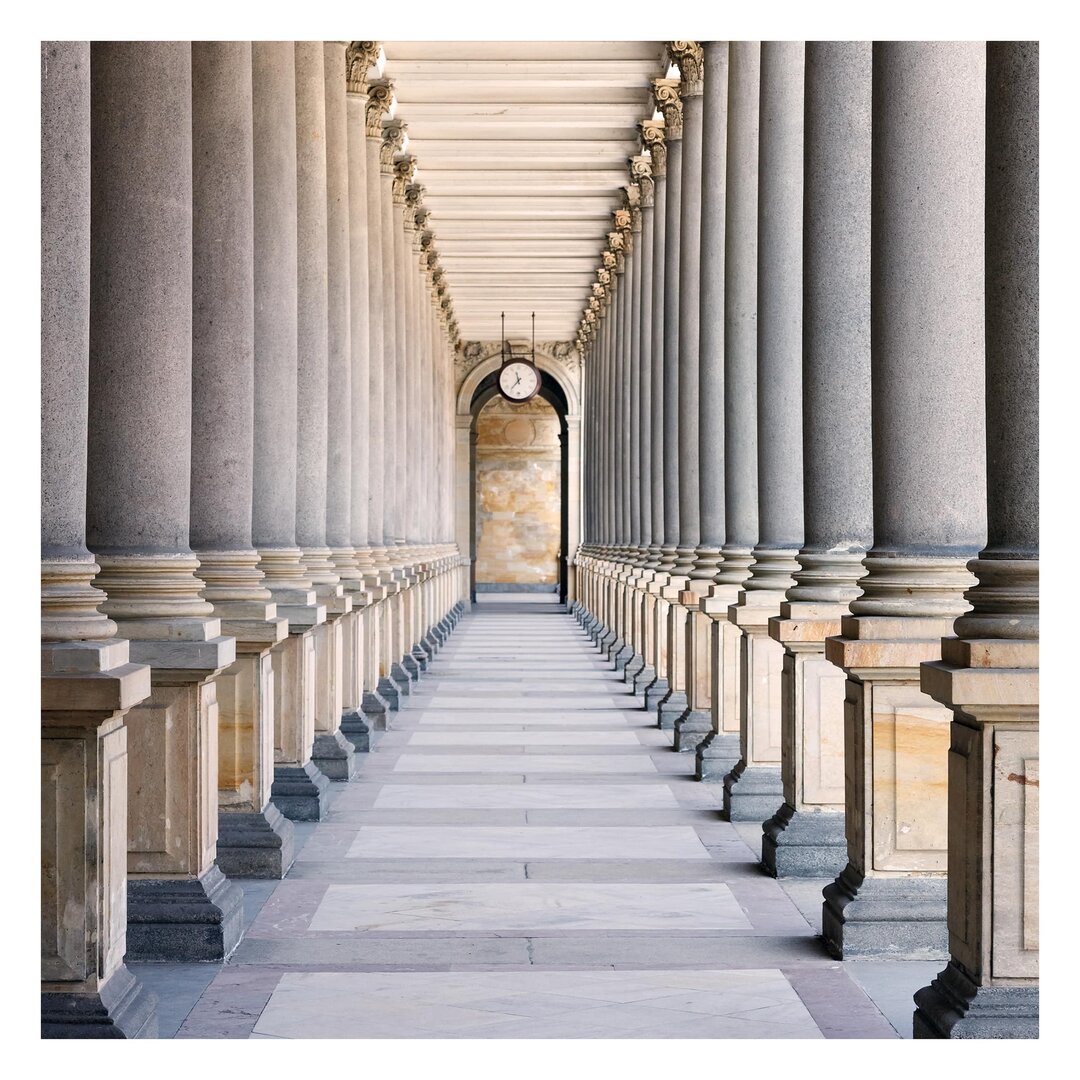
(518, 470)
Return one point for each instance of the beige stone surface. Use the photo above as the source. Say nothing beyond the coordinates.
(518, 489)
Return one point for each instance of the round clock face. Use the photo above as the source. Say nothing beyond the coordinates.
(518, 380)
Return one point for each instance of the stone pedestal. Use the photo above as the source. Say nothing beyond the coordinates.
(890, 899)
(86, 991)
(753, 788)
(695, 723)
(673, 704)
(805, 837)
(719, 752)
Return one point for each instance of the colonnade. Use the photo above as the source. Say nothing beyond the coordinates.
(811, 527)
(247, 497)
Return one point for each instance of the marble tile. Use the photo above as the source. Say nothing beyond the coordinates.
(522, 763)
(533, 1004)
(528, 907)
(614, 718)
(524, 843)
(524, 738)
(531, 701)
(528, 796)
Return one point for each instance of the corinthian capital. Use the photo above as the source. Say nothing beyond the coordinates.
(666, 96)
(641, 175)
(690, 57)
(653, 136)
(403, 171)
(380, 98)
(360, 58)
(394, 132)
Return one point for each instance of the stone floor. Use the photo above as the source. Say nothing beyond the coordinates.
(524, 856)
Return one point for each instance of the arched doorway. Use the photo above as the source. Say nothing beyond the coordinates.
(519, 488)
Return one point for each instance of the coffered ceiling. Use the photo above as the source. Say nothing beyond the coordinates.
(522, 149)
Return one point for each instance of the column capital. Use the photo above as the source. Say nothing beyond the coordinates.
(394, 132)
(641, 174)
(380, 96)
(360, 58)
(632, 204)
(667, 99)
(690, 57)
(654, 139)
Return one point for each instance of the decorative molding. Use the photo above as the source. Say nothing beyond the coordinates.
(380, 98)
(641, 175)
(360, 58)
(666, 97)
(653, 136)
(564, 355)
(690, 57)
(404, 170)
(394, 132)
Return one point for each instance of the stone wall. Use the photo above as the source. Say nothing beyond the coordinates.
(517, 493)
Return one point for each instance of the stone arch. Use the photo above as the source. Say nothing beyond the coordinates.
(544, 362)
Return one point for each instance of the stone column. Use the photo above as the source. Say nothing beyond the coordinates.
(988, 674)
(711, 481)
(299, 789)
(331, 751)
(669, 623)
(753, 788)
(656, 687)
(254, 840)
(806, 835)
(927, 344)
(138, 493)
(693, 724)
(87, 683)
(359, 56)
(719, 752)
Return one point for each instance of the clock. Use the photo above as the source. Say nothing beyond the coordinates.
(519, 380)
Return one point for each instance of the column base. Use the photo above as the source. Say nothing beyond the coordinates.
(643, 679)
(122, 1008)
(691, 729)
(751, 793)
(621, 654)
(429, 644)
(390, 693)
(403, 678)
(332, 754)
(375, 708)
(300, 791)
(413, 665)
(671, 707)
(633, 667)
(807, 844)
(355, 728)
(717, 754)
(185, 920)
(655, 692)
(254, 845)
(896, 918)
(953, 1007)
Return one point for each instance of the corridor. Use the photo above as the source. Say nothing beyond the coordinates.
(522, 855)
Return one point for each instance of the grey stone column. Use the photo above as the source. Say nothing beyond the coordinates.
(653, 136)
(299, 789)
(988, 673)
(254, 840)
(927, 344)
(688, 55)
(312, 327)
(138, 492)
(753, 788)
(633, 386)
(720, 752)
(806, 835)
(86, 991)
(641, 170)
(378, 102)
(623, 402)
(393, 137)
(668, 100)
(700, 723)
(331, 752)
(339, 463)
(403, 344)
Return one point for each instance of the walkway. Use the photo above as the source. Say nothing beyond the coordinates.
(523, 856)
